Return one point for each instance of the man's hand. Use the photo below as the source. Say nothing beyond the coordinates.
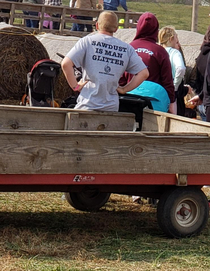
(195, 100)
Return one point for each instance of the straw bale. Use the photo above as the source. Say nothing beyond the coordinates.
(19, 52)
(57, 44)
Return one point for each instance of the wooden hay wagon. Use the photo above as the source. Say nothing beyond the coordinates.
(89, 155)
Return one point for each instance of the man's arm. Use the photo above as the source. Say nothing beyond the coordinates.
(93, 4)
(68, 70)
(123, 5)
(73, 3)
(135, 81)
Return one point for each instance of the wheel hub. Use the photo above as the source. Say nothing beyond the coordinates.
(187, 213)
(184, 211)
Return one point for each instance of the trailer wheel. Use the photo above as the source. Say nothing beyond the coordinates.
(91, 199)
(183, 211)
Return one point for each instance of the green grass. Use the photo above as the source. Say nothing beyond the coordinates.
(178, 15)
(42, 232)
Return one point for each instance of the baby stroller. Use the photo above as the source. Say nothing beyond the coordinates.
(40, 84)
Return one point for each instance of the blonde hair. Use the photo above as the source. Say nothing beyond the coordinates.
(99, 6)
(108, 21)
(165, 34)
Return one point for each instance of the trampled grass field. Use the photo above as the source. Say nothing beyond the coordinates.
(42, 232)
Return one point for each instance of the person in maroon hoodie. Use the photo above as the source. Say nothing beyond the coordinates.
(153, 55)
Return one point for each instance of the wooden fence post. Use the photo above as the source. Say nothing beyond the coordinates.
(194, 25)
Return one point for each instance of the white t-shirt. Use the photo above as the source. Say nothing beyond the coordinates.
(103, 59)
(177, 65)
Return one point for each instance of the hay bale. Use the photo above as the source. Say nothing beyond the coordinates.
(57, 44)
(19, 52)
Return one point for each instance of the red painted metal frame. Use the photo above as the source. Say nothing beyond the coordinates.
(100, 179)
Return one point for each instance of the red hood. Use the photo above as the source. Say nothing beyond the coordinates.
(147, 27)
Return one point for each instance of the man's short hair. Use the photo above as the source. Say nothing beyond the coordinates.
(108, 21)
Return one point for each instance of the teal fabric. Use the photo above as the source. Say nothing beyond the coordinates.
(155, 92)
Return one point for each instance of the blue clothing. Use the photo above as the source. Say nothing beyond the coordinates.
(81, 27)
(114, 4)
(29, 22)
(156, 93)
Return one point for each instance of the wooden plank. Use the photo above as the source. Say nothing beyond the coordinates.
(40, 118)
(42, 18)
(156, 121)
(31, 120)
(62, 24)
(12, 14)
(70, 152)
(103, 121)
(13, 117)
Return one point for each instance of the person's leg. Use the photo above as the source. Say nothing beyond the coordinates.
(28, 22)
(89, 26)
(34, 23)
(56, 25)
(80, 27)
(208, 113)
(202, 111)
(74, 27)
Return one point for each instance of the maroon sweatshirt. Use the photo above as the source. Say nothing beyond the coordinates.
(153, 55)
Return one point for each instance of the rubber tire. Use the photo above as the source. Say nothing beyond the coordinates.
(91, 199)
(169, 208)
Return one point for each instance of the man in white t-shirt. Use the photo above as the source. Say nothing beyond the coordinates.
(103, 59)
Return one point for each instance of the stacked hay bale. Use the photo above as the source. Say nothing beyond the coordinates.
(19, 52)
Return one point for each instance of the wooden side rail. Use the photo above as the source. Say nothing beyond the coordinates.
(102, 152)
(40, 118)
(155, 121)
(17, 17)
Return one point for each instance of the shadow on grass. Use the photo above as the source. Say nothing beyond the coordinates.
(87, 221)
(110, 235)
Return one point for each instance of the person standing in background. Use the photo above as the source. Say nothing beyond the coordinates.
(199, 70)
(74, 25)
(169, 40)
(202, 80)
(114, 4)
(30, 22)
(56, 25)
(89, 4)
(153, 55)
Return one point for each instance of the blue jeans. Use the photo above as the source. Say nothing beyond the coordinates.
(202, 110)
(74, 27)
(31, 23)
(80, 27)
(108, 7)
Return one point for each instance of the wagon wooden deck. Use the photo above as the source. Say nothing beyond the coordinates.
(89, 155)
